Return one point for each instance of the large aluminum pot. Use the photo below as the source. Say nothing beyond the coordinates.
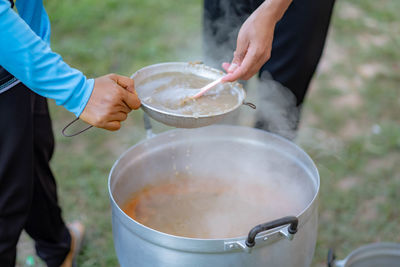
(240, 151)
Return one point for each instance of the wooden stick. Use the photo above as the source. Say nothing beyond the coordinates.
(206, 88)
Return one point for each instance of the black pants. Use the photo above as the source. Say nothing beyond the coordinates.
(299, 39)
(28, 197)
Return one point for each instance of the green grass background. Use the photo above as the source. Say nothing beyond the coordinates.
(350, 126)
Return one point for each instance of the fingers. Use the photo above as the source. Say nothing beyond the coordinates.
(125, 82)
(129, 95)
(233, 67)
(131, 100)
(119, 116)
(250, 65)
(112, 125)
(124, 108)
(242, 45)
(113, 122)
(226, 66)
(240, 71)
(231, 77)
(239, 55)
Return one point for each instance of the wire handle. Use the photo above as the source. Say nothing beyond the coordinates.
(74, 134)
(249, 105)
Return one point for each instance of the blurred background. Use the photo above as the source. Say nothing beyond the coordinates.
(350, 123)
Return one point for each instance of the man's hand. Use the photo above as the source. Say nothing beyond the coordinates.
(113, 97)
(254, 42)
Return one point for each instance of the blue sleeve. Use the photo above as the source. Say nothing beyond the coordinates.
(30, 59)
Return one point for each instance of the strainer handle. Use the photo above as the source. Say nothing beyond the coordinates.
(74, 134)
(249, 104)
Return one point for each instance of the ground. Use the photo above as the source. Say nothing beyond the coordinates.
(350, 124)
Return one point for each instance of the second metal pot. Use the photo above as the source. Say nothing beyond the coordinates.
(371, 255)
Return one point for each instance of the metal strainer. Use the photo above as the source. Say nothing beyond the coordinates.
(183, 120)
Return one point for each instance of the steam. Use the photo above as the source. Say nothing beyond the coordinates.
(219, 36)
(277, 111)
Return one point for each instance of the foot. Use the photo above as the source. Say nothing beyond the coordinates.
(77, 231)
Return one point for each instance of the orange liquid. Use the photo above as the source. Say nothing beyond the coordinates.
(209, 208)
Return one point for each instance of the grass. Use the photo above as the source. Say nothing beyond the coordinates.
(350, 126)
(360, 178)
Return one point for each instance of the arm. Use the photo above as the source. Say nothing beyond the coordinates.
(30, 59)
(254, 42)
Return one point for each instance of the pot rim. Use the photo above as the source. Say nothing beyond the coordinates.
(126, 219)
(370, 250)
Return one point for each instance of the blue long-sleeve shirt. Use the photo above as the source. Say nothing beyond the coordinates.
(25, 53)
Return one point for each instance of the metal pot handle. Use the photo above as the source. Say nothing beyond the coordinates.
(292, 229)
(331, 258)
(247, 244)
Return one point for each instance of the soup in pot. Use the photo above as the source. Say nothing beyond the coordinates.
(209, 208)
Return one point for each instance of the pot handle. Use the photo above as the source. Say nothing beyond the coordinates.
(292, 229)
(331, 258)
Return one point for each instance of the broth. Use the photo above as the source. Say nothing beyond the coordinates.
(171, 91)
(211, 208)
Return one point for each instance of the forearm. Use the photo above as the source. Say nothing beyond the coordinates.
(273, 9)
(30, 59)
